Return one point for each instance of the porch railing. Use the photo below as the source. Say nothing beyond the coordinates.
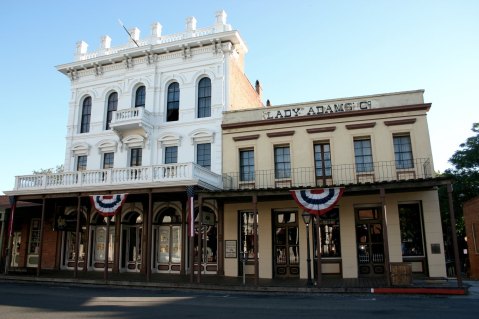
(344, 174)
(167, 174)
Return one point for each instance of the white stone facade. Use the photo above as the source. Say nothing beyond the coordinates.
(155, 62)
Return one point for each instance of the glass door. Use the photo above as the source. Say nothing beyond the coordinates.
(167, 241)
(370, 244)
(17, 241)
(286, 244)
(132, 254)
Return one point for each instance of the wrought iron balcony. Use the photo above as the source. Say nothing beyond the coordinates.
(128, 177)
(132, 118)
(346, 174)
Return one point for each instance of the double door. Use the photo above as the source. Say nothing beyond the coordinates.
(286, 244)
(370, 242)
(169, 248)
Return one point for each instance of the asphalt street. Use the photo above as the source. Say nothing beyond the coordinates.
(45, 301)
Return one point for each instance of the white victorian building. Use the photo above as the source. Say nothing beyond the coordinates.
(144, 119)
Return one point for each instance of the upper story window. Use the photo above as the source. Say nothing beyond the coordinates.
(322, 159)
(363, 155)
(173, 102)
(140, 96)
(246, 165)
(403, 151)
(203, 155)
(204, 98)
(171, 154)
(108, 159)
(111, 107)
(135, 157)
(282, 162)
(81, 163)
(85, 115)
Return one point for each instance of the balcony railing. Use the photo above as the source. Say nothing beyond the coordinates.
(346, 174)
(131, 118)
(166, 175)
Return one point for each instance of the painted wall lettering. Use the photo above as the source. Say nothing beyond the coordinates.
(316, 110)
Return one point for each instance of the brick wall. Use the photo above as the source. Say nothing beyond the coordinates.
(471, 220)
(242, 93)
(49, 246)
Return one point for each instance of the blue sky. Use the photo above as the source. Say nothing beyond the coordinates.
(300, 50)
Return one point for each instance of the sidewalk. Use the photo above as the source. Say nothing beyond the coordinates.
(329, 284)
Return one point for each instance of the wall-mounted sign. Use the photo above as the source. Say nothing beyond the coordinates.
(230, 248)
(316, 110)
(208, 219)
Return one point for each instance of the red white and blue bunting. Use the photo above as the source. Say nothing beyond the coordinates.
(107, 205)
(317, 201)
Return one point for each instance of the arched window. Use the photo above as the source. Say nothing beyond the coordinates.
(85, 115)
(204, 98)
(112, 105)
(140, 97)
(173, 102)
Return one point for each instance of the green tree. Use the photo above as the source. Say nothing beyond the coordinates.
(42, 171)
(465, 177)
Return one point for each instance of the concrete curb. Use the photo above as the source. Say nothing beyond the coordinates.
(238, 289)
(420, 291)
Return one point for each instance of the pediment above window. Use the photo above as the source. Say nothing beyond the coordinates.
(107, 146)
(169, 139)
(134, 141)
(202, 136)
(80, 149)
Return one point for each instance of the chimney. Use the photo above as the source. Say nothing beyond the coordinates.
(268, 103)
(82, 47)
(156, 30)
(259, 89)
(190, 24)
(135, 34)
(221, 17)
(105, 42)
(220, 25)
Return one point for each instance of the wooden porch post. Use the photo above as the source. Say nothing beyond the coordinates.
(220, 251)
(40, 250)
(382, 194)
(255, 239)
(454, 236)
(77, 239)
(200, 232)
(149, 236)
(107, 248)
(87, 241)
(117, 243)
(318, 252)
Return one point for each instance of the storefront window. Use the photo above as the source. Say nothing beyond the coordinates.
(211, 234)
(34, 243)
(247, 234)
(410, 217)
(329, 232)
